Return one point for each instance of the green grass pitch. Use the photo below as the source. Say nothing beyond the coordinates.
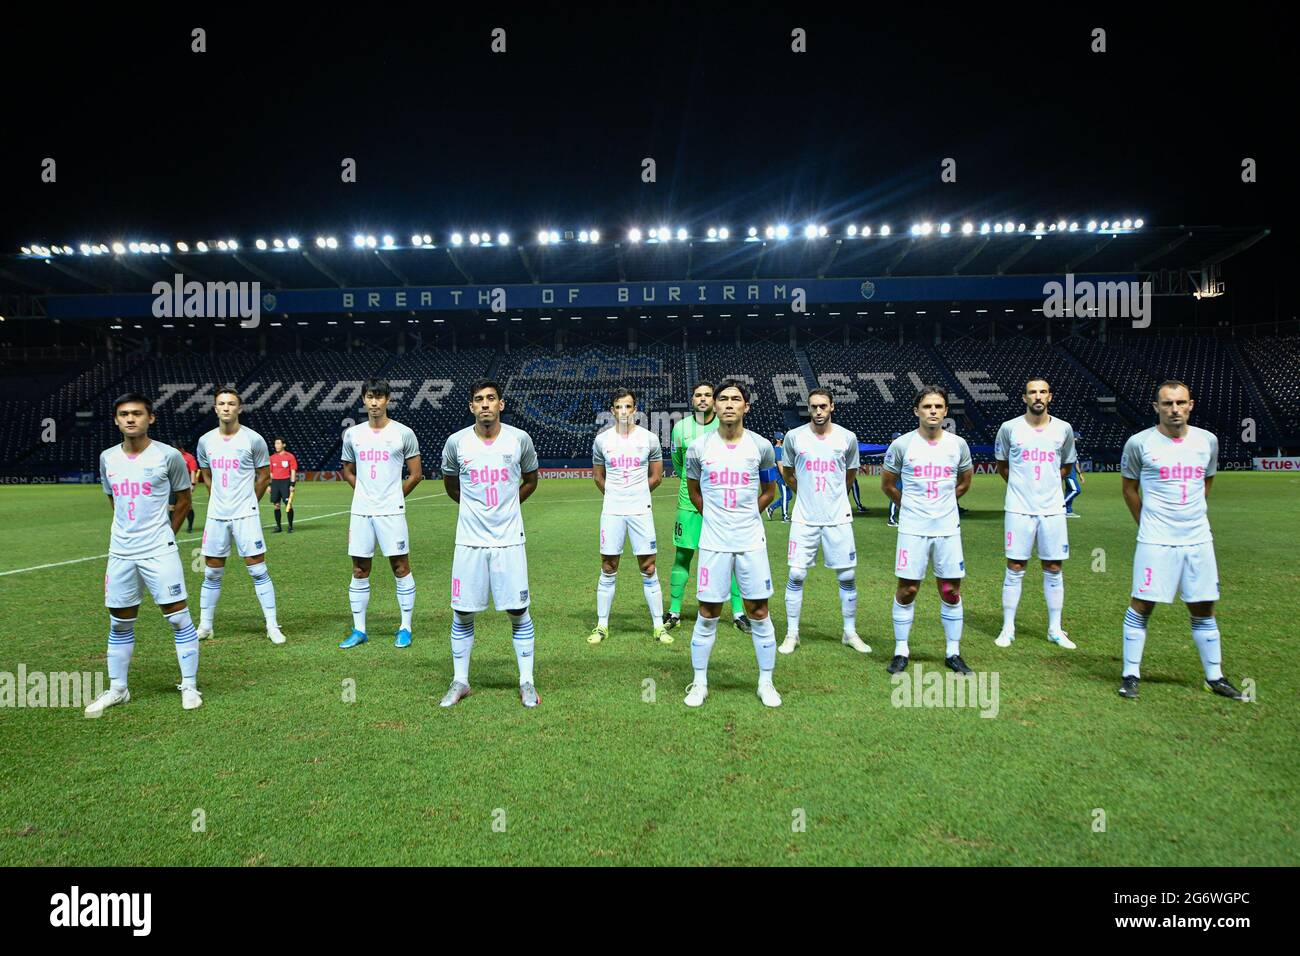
(279, 769)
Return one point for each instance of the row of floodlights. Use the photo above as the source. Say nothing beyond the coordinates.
(553, 236)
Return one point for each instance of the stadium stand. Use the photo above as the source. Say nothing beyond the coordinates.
(766, 366)
(559, 393)
(1276, 362)
(997, 372)
(874, 384)
(1136, 366)
(558, 397)
(92, 433)
(435, 397)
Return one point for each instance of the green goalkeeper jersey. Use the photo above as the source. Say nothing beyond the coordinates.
(685, 432)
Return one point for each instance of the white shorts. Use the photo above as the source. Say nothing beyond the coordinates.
(836, 540)
(503, 571)
(751, 569)
(615, 529)
(388, 530)
(1047, 532)
(161, 572)
(915, 551)
(1159, 570)
(246, 532)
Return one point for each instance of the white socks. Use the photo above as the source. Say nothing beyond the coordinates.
(187, 645)
(705, 633)
(952, 615)
(794, 599)
(848, 600)
(405, 597)
(604, 598)
(1054, 596)
(1135, 639)
(209, 595)
(359, 597)
(1012, 581)
(462, 644)
(262, 587)
(522, 626)
(121, 644)
(654, 597)
(764, 635)
(1205, 632)
(903, 615)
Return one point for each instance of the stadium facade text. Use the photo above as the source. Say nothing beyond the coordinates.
(604, 295)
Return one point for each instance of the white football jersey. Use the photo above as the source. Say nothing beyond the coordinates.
(379, 457)
(1034, 458)
(928, 473)
(140, 486)
(489, 474)
(730, 477)
(234, 460)
(1172, 473)
(820, 464)
(626, 460)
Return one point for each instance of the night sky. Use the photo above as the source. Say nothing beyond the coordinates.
(158, 142)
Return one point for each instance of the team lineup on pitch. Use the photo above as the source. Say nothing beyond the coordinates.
(730, 478)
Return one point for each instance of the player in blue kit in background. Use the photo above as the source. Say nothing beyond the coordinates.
(783, 496)
(1073, 488)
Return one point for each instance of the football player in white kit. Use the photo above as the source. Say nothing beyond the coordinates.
(731, 478)
(627, 464)
(138, 475)
(489, 469)
(1034, 453)
(373, 455)
(820, 463)
(924, 473)
(1166, 473)
(236, 467)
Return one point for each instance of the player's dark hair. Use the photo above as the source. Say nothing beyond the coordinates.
(483, 383)
(277, 438)
(227, 390)
(703, 383)
(727, 383)
(1171, 383)
(376, 386)
(1037, 378)
(930, 390)
(126, 397)
(822, 391)
(623, 393)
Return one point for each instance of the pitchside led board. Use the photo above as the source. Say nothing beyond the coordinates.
(601, 295)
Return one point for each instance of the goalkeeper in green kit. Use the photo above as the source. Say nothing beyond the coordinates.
(686, 530)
